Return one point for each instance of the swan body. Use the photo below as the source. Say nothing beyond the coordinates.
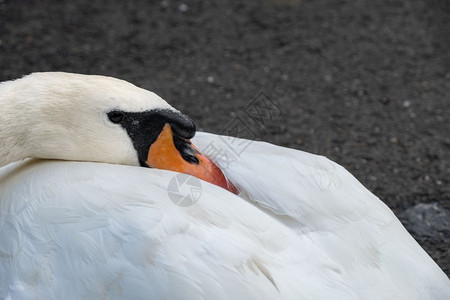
(302, 227)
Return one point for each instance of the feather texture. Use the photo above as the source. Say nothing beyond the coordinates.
(302, 228)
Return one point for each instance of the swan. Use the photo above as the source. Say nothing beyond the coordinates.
(81, 216)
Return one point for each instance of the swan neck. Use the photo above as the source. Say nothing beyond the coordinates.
(14, 121)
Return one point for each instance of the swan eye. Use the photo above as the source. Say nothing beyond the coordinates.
(115, 116)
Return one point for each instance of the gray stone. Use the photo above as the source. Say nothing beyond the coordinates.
(427, 220)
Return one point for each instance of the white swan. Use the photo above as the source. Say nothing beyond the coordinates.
(301, 228)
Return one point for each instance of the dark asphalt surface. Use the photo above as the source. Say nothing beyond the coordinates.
(365, 83)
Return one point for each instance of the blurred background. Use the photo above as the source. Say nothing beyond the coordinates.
(365, 83)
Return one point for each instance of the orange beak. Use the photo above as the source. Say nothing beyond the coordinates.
(163, 154)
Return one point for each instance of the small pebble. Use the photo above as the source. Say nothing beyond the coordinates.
(165, 4)
(328, 78)
(406, 103)
(393, 140)
(210, 79)
(183, 7)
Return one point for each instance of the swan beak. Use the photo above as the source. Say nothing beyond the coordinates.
(171, 152)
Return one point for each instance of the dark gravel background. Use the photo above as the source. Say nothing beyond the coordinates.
(366, 83)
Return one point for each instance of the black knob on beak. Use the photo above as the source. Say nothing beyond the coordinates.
(182, 125)
(183, 129)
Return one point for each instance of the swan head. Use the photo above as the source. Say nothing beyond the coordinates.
(102, 119)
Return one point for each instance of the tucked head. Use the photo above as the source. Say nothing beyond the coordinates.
(67, 116)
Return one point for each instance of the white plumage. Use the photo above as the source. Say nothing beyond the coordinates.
(301, 228)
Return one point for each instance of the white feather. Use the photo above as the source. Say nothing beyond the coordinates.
(305, 229)
(301, 228)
